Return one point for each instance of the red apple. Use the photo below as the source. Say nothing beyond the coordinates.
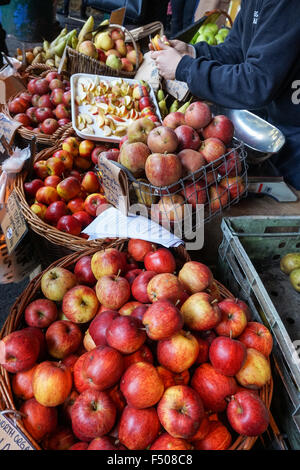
(83, 218)
(220, 127)
(129, 307)
(69, 188)
(32, 186)
(191, 160)
(103, 366)
(19, 350)
(162, 140)
(71, 145)
(138, 428)
(188, 138)
(179, 352)
(180, 411)
(247, 414)
(143, 354)
(76, 205)
(235, 185)
(218, 198)
(18, 105)
(139, 312)
(194, 193)
(195, 277)
(21, 383)
(163, 169)
(212, 149)
(134, 156)
(162, 320)
(107, 262)
(85, 148)
(41, 86)
(213, 387)
(198, 115)
(61, 112)
(233, 320)
(69, 224)
(40, 313)
(227, 355)
(202, 431)
(105, 443)
(52, 180)
(49, 126)
(31, 86)
(38, 420)
(125, 334)
(63, 338)
(232, 165)
(203, 349)
(83, 271)
(132, 275)
(65, 157)
(167, 442)
(93, 415)
(165, 286)
(56, 281)
(160, 261)
(139, 286)
(79, 446)
(139, 248)
(46, 195)
(40, 169)
(51, 383)
(99, 325)
(217, 438)
(93, 202)
(55, 83)
(174, 119)
(199, 313)
(113, 291)
(51, 76)
(55, 211)
(80, 304)
(67, 98)
(61, 439)
(23, 119)
(141, 385)
(101, 147)
(90, 182)
(258, 337)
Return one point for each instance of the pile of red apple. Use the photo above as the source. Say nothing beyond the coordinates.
(189, 156)
(65, 192)
(122, 353)
(45, 106)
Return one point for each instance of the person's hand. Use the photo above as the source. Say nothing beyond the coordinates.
(166, 61)
(182, 47)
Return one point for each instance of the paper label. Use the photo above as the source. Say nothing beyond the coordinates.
(7, 129)
(178, 90)
(11, 438)
(20, 264)
(13, 223)
(117, 16)
(115, 184)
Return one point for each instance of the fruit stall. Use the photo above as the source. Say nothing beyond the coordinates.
(157, 292)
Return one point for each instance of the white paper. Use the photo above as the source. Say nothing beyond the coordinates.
(113, 224)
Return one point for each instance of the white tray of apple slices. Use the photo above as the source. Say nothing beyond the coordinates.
(103, 107)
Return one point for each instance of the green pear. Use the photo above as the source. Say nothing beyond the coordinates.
(295, 279)
(114, 62)
(290, 262)
(200, 38)
(219, 39)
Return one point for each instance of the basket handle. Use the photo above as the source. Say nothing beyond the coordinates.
(125, 30)
(221, 12)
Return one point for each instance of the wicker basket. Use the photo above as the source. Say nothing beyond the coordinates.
(15, 319)
(35, 71)
(51, 243)
(81, 63)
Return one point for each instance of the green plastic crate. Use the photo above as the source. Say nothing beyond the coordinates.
(249, 265)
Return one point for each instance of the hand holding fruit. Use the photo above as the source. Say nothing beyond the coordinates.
(166, 61)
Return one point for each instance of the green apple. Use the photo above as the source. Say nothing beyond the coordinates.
(114, 62)
(210, 39)
(223, 32)
(211, 28)
(219, 39)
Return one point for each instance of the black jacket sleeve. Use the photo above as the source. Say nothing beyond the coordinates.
(267, 60)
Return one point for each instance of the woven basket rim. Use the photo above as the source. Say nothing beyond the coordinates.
(15, 316)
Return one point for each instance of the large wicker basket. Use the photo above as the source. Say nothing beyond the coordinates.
(15, 321)
(81, 63)
(35, 71)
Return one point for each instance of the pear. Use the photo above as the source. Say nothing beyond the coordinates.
(295, 279)
(104, 41)
(211, 28)
(290, 262)
(114, 62)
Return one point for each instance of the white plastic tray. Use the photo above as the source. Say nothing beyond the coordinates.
(78, 109)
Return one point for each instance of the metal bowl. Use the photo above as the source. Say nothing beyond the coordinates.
(253, 131)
